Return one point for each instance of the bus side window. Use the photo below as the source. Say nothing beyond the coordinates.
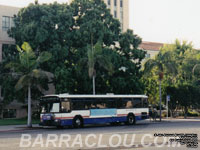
(65, 107)
(137, 102)
(87, 105)
(121, 103)
(129, 104)
(100, 103)
(77, 104)
(111, 103)
(145, 103)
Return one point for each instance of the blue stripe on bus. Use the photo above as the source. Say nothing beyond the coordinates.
(99, 120)
(66, 122)
(103, 112)
(104, 120)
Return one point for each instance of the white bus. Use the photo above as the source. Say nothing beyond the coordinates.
(79, 110)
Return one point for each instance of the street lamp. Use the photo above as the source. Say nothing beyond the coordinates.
(160, 93)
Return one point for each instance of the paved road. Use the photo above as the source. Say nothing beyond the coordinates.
(100, 137)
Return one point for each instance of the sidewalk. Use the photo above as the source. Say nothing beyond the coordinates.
(8, 128)
(16, 128)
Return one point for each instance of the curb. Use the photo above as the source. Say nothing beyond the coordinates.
(22, 129)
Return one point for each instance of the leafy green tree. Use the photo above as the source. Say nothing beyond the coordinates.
(66, 31)
(27, 67)
(7, 82)
(160, 64)
(126, 59)
(184, 95)
(181, 79)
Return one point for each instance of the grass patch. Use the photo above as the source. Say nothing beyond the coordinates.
(17, 121)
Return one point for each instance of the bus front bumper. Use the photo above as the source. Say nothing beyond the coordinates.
(50, 123)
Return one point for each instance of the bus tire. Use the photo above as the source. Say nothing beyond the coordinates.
(78, 122)
(130, 119)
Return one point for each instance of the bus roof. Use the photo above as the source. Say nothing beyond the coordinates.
(96, 96)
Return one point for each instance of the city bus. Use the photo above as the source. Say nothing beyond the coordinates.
(79, 110)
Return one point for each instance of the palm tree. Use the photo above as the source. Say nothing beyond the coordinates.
(161, 63)
(27, 68)
(95, 56)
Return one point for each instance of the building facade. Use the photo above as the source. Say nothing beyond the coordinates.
(120, 10)
(14, 109)
(6, 22)
(152, 48)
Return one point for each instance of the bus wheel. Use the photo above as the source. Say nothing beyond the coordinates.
(130, 119)
(77, 122)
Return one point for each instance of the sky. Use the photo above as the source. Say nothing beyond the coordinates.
(154, 20)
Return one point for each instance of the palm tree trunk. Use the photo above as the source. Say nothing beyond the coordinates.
(29, 123)
(160, 99)
(93, 80)
(185, 112)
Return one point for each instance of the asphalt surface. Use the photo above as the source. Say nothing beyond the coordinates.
(141, 136)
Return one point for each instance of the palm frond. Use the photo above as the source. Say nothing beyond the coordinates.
(40, 74)
(19, 49)
(22, 82)
(98, 48)
(149, 65)
(195, 68)
(43, 57)
(26, 47)
(105, 62)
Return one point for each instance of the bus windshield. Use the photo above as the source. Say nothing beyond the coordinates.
(50, 107)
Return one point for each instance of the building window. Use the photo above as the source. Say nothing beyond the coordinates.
(148, 55)
(122, 26)
(5, 23)
(9, 113)
(121, 3)
(115, 14)
(108, 2)
(115, 2)
(12, 22)
(121, 16)
(9, 52)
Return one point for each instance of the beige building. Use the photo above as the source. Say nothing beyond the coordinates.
(120, 10)
(6, 22)
(152, 48)
(15, 109)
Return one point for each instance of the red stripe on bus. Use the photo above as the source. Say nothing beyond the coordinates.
(69, 117)
(127, 114)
